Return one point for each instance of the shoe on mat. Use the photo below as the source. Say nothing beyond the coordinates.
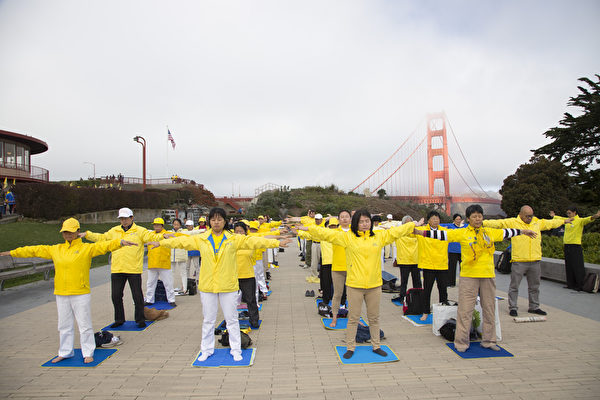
(539, 311)
(380, 352)
(141, 324)
(513, 313)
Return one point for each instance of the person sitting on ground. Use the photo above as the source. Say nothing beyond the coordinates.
(72, 260)
(477, 276)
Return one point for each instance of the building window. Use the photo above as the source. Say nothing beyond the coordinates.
(20, 161)
(1, 154)
(26, 159)
(10, 156)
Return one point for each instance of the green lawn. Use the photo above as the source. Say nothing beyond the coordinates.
(34, 233)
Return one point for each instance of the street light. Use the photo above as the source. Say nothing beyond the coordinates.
(94, 165)
(142, 141)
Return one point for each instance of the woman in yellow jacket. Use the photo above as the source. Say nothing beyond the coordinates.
(72, 260)
(245, 266)
(218, 280)
(477, 275)
(339, 268)
(159, 267)
(363, 283)
(407, 259)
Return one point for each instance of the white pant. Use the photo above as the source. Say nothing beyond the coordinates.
(193, 267)
(259, 274)
(77, 306)
(382, 259)
(315, 258)
(210, 305)
(182, 268)
(166, 276)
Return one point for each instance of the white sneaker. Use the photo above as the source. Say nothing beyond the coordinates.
(203, 357)
(237, 357)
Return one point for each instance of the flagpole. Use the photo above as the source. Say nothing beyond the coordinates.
(167, 151)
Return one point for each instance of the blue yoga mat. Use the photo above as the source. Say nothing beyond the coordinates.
(342, 323)
(269, 292)
(77, 360)
(222, 358)
(161, 305)
(246, 308)
(365, 355)
(416, 319)
(129, 326)
(244, 323)
(476, 351)
(398, 302)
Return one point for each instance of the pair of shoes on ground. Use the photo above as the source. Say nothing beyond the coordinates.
(309, 293)
(115, 341)
(539, 311)
(349, 353)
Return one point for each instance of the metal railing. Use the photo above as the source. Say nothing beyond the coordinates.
(23, 171)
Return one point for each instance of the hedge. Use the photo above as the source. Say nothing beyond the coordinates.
(52, 201)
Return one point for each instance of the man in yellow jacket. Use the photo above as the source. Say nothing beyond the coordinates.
(72, 260)
(127, 264)
(574, 264)
(159, 267)
(526, 256)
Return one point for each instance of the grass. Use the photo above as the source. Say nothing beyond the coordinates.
(31, 233)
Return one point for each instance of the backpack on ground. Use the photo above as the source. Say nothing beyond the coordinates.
(448, 329)
(414, 302)
(106, 339)
(503, 264)
(324, 310)
(363, 334)
(192, 287)
(245, 338)
(590, 283)
(160, 294)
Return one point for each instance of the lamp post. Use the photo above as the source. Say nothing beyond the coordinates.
(93, 165)
(142, 141)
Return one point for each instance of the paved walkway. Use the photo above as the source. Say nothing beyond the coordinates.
(558, 359)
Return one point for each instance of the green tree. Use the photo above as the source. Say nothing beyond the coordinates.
(382, 193)
(542, 184)
(576, 143)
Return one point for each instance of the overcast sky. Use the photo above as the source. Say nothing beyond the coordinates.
(290, 92)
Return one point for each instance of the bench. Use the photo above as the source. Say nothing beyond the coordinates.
(9, 268)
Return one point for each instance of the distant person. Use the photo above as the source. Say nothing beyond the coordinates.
(454, 257)
(390, 250)
(526, 256)
(72, 260)
(10, 202)
(407, 259)
(159, 267)
(179, 260)
(339, 269)
(574, 264)
(127, 264)
(2, 203)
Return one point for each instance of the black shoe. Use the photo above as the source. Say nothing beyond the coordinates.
(117, 324)
(513, 313)
(539, 311)
(302, 259)
(173, 304)
(148, 304)
(380, 352)
(307, 294)
(141, 324)
(348, 354)
(312, 293)
(568, 287)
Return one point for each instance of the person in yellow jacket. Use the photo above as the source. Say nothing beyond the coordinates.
(72, 260)
(179, 261)
(269, 256)
(433, 261)
(574, 264)
(339, 269)
(218, 281)
(246, 277)
(363, 282)
(526, 256)
(127, 264)
(477, 276)
(407, 259)
(259, 267)
(159, 267)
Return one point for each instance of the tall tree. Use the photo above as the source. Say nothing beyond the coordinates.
(576, 142)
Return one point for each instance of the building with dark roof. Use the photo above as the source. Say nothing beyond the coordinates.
(15, 158)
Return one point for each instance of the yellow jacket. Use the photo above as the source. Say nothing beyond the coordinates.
(433, 254)
(159, 257)
(524, 248)
(245, 263)
(129, 259)
(477, 250)
(306, 220)
(574, 230)
(407, 251)
(267, 226)
(219, 272)
(339, 256)
(326, 253)
(259, 253)
(71, 262)
(363, 252)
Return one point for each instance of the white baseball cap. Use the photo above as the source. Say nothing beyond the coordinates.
(125, 213)
(189, 222)
(318, 216)
(390, 216)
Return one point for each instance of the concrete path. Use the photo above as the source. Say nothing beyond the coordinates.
(557, 359)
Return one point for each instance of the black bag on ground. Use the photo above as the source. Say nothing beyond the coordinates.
(245, 338)
(192, 287)
(590, 283)
(448, 329)
(103, 337)
(414, 302)
(342, 313)
(363, 334)
(160, 294)
(324, 310)
(503, 264)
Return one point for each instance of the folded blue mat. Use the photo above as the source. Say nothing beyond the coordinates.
(476, 351)
(244, 323)
(130, 326)
(386, 276)
(77, 360)
(416, 319)
(398, 302)
(161, 305)
(222, 358)
(342, 323)
(365, 355)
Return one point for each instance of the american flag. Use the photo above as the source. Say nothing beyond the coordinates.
(170, 139)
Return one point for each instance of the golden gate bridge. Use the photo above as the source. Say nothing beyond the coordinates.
(403, 176)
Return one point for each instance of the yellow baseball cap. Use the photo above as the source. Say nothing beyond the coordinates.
(158, 221)
(201, 219)
(333, 221)
(70, 225)
(253, 225)
(261, 217)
